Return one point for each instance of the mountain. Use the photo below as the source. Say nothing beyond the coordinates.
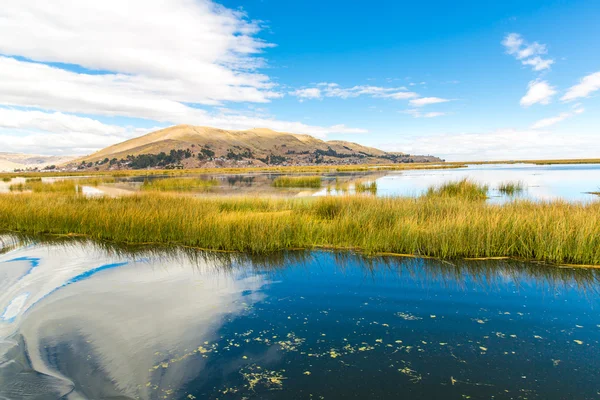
(186, 146)
(11, 161)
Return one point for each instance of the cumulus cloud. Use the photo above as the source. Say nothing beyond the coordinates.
(196, 50)
(588, 85)
(538, 92)
(326, 89)
(424, 101)
(173, 62)
(528, 53)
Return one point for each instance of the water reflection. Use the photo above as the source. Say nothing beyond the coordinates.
(541, 182)
(88, 320)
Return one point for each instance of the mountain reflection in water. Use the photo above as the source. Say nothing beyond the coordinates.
(81, 320)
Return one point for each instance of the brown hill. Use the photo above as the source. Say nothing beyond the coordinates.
(255, 146)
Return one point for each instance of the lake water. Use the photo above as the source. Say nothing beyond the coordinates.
(541, 182)
(84, 321)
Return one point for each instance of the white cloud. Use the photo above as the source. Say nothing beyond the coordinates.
(538, 92)
(506, 144)
(424, 101)
(310, 93)
(40, 132)
(418, 114)
(588, 85)
(538, 63)
(196, 51)
(546, 122)
(326, 89)
(55, 122)
(528, 54)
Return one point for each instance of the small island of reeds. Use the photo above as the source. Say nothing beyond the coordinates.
(297, 182)
(449, 222)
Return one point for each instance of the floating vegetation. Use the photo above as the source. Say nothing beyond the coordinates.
(463, 189)
(179, 184)
(258, 377)
(297, 182)
(511, 188)
(6, 179)
(361, 187)
(408, 317)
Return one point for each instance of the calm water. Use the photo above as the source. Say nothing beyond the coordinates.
(78, 321)
(542, 182)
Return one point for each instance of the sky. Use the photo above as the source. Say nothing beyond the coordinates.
(463, 80)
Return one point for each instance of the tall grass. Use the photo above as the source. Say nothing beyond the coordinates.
(297, 182)
(37, 186)
(464, 189)
(239, 170)
(438, 226)
(6, 179)
(511, 188)
(179, 184)
(360, 187)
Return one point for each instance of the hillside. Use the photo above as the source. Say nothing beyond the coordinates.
(16, 161)
(186, 146)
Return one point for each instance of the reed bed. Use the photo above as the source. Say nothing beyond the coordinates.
(361, 187)
(464, 189)
(239, 170)
(6, 179)
(297, 182)
(439, 226)
(37, 186)
(96, 181)
(179, 184)
(511, 188)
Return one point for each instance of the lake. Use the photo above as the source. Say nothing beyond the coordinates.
(80, 320)
(572, 182)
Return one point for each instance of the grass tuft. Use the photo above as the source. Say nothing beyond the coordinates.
(511, 188)
(361, 187)
(179, 184)
(297, 182)
(464, 189)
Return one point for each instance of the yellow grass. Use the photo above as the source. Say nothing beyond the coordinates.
(297, 182)
(179, 184)
(439, 226)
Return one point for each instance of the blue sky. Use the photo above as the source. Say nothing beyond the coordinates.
(465, 80)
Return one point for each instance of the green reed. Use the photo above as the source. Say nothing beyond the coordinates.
(437, 226)
(297, 182)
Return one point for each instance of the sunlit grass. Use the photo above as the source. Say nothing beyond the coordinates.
(511, 188)
(438, 226)
(361, 187)
(464, 189)
(179, 184)
(297, 182)
(241, 170)
(96, 181)
(37, 186)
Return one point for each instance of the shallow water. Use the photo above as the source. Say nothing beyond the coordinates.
(84, 321)
(542, 182)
